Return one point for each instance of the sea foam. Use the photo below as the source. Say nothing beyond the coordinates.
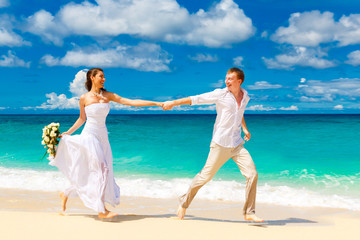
(50, 181)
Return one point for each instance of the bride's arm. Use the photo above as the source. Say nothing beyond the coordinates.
(80, 121)
(135, 103)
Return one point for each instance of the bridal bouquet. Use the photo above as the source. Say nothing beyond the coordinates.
(50, 137)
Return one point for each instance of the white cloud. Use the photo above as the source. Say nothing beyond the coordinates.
(348, 30)
(317, 91)
(45, 25)
(339, 107)
(163, 20)
(264, 34)
(260, 108)
(7, 36)
(238, 61)
(200, 57)
(50, 60)
(143, 57)
(291, 108)
(207, 108)
(354, 58)
(314, 28)
(59, 102)
(325, 97)
(302, 80)
(182, 108)
(10, 60)
(263, 108)
(212, 28)
(4, 3)
(218, 84)
(260, 98)
(299, 56)
(264, 85)
(77, 86)
(306, 29)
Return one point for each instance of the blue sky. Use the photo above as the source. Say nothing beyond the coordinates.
(299, 56)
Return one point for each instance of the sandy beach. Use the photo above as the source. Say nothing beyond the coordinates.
(35, 215)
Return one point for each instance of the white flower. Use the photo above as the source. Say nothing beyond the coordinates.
(49, 136)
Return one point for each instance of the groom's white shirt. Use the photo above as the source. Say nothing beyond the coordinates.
(227, 128)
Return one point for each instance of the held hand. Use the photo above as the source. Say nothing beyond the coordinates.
(247, 135)
(160, 104)
(168, 105)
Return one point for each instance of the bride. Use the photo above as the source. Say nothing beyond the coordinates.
(86, 159)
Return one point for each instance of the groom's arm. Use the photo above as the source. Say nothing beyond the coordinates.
(202, 99)
(182, 101)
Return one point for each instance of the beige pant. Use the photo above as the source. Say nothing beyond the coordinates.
(219, 155)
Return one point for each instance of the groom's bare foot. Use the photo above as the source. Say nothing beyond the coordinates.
(107, 215)
(181, 212)
(63, 201)
(253, 217)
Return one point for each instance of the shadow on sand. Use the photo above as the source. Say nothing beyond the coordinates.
(134, 217)
(121, 218)
(281, 222)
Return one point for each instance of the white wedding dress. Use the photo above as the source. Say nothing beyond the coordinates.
(86, 160)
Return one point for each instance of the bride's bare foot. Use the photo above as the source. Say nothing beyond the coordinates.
(181, 212)
(107, 214)
(63, 201)
(253, 217)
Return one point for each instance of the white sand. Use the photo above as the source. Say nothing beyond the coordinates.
(34, 215)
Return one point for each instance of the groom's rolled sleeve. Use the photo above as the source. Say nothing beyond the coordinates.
(207, 98)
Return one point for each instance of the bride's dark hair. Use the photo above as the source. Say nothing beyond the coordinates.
(91, 73)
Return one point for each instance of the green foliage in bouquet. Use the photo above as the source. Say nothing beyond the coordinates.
(50, 136)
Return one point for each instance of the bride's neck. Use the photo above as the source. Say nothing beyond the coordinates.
(96, 90)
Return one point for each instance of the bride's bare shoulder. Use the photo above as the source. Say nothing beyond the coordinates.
(86, 97)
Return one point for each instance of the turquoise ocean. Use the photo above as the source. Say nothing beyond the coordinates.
(302, 160)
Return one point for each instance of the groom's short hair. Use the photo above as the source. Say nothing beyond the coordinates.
(239, 73)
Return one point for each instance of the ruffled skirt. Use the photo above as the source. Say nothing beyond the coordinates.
(86, 160)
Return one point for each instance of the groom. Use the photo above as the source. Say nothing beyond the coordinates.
(226, 142)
